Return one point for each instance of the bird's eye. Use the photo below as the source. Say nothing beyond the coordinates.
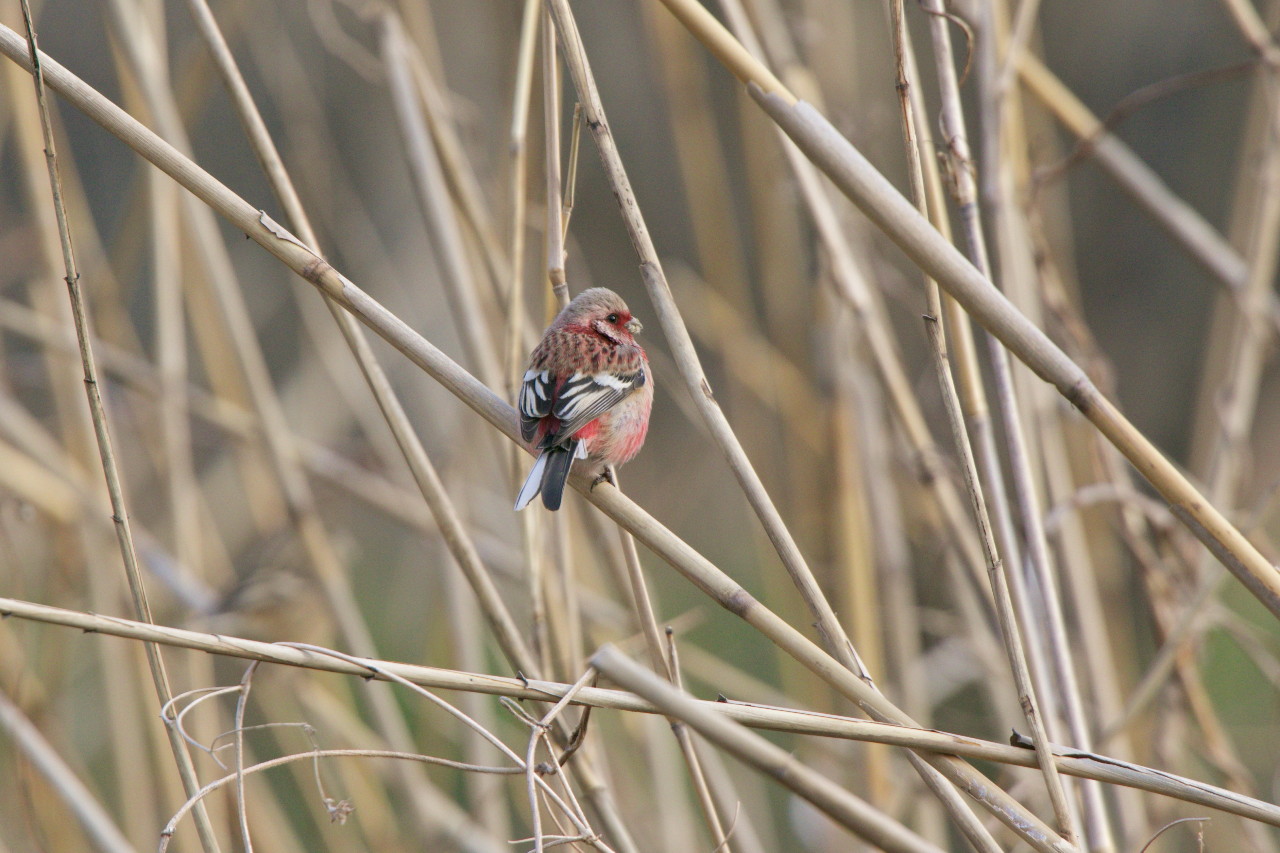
(612, 318)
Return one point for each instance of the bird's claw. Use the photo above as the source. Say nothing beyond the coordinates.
(605, 476)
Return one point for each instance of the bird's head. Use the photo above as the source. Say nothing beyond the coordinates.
(604, 312)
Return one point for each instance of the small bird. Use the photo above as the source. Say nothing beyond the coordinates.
(586, 395)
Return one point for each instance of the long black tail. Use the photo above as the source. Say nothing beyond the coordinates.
(556, 474)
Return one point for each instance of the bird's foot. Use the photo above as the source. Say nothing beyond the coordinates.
(605, 476)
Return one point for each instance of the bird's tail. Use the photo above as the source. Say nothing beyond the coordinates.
(549, 474)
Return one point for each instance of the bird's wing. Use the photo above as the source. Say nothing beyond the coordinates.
(585, 396)
(534, 403)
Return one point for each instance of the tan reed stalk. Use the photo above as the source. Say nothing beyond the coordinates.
(72, 461)
(174, 452)
(852, 286)
(556, 222)
(1235, 389)
(1006, 186)
(1000, 586)
(95, 820)
(459, 174)
(171, 360)
(850, 811)
(929, 197)
(930, 470)
(1036, 699)
(429, 184)
(663, 660)
(102, 433)
(1004, 176)
(516, 331)
(704, 176)
(703, 786)
(766, 717)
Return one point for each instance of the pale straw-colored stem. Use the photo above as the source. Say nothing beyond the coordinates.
(1011, 592)
(766, 717)
(999, 582)
(93, 817)
(853, 287)
(102, 432)
(555, 223)
(1041, 607)
(518, 152)
(851, 811)
(430, 189)
(702, 785)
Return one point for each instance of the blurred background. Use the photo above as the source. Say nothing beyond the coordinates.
(427, 225)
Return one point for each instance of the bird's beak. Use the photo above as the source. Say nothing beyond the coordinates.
(634, 326)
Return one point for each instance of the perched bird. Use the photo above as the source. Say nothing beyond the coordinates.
(586, 395)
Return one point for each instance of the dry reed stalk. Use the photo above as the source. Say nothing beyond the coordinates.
(852, 286)
(95, 819)
(704, 175)
(931, 472)
(557, 224)
(766, 717)
(1036, 699)
(468, 304)
(516, 332)
(102, 433)
(1005, 178)
(71, 459)
(855, 814)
